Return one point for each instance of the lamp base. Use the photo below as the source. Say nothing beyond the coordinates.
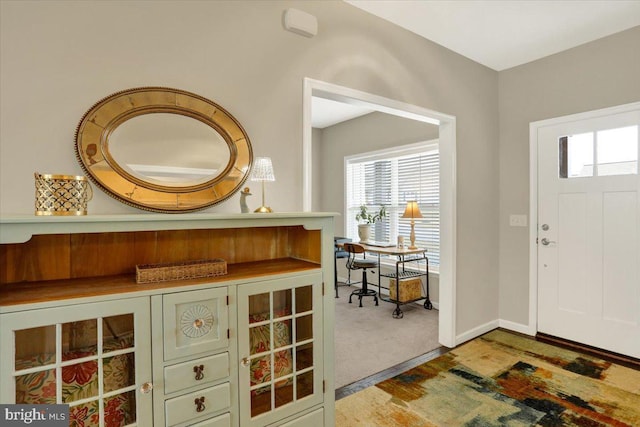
(412, 247)
(263, 209)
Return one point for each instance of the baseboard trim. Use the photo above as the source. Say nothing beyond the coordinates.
(477, 331)
(516, 327)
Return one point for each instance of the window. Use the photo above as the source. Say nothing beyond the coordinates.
(391, 178)
(611, 151)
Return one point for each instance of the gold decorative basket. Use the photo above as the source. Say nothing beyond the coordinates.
(62, 194)
(154, 273)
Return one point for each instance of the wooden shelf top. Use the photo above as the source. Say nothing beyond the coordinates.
(56, 290)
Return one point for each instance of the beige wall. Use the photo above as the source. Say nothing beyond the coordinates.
(375, 131)
(60, 57)
(596, 75)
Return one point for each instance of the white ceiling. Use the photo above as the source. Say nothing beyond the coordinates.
(325, 112)
(505, 33)
(499, 34)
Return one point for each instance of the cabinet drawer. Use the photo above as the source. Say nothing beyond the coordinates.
(195, 322)
(184, 408)
(312, 419)
(183, 375)
(223, 420)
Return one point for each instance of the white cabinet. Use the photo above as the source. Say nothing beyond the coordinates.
(280, 341)
(194, 322)
(195, 372)
(94, 357)
(191, 357)
(251, 348)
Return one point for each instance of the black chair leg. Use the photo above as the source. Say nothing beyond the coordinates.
(364, 291)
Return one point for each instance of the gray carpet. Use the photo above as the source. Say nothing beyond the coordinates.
(368, 340)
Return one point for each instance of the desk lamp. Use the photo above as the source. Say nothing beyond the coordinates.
(412, 211)
(263, 171)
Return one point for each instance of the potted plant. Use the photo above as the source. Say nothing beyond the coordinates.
(366, 219)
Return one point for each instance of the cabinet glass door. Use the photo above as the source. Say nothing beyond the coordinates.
(280, 343)
(63, 356)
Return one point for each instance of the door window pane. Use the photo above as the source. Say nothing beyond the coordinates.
(35, 347)
(304, 328)
(304, 385)
(613, 151)
(79, 339)
(85, 414)
(303, 299)
(281, 347)
(37, 388)
(283, 395)
(117, 332)
(259, 339)
(281, 334)
(79, 381)
(282, 303)
(618, 151)
(118, 372)
(260, 400)
(304, 356)
(259, 308)
(576, 155)
(120, 410)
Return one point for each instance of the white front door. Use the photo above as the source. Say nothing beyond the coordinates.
(589, 232)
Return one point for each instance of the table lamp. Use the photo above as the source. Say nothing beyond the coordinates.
(262, 171)
(412, 211)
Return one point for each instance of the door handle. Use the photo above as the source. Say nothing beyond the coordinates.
(546, 241)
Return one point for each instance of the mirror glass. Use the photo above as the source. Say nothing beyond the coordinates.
(169, 149)
(163, 149)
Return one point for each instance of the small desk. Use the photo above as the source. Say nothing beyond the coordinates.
(404, 255)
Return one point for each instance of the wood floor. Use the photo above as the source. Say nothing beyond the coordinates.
(389, 373)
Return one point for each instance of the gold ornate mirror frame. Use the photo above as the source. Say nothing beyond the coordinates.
(97, 127)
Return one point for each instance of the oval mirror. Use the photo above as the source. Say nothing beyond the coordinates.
(140, 146)
(163, 149)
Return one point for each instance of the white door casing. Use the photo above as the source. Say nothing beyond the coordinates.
(447, 145)
(588, 275)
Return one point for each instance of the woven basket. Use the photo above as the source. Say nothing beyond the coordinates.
(153, 273)
(410, 289)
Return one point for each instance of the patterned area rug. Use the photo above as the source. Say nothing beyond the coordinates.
(501, 379)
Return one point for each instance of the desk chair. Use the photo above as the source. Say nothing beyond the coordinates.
(355, 262)
(340, 253)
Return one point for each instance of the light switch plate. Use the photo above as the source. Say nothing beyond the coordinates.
(518, 220)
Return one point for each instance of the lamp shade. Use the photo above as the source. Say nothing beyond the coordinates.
(412, 210)
(262, 170)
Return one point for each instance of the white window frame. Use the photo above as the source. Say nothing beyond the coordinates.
(408, 150)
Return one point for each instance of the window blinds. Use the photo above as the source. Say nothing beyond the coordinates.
(391, 180)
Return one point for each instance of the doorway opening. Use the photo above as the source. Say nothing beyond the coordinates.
(447, 146)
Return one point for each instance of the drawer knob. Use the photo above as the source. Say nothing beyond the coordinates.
(146, 388)
(245, 362)
(198, 369)
(200, 404)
